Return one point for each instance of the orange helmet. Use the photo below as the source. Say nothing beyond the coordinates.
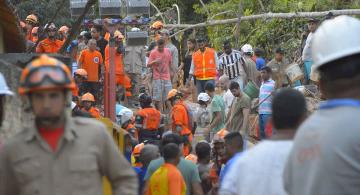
(45, 73)
(63, 29)
(157, 25)
(88, 97)
(137, 149)
(81, 72)
(34, 30)
(219, 136)
(32, 19)
(173, 93)
(222, 133)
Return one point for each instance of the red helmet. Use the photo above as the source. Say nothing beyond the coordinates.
(45, 73)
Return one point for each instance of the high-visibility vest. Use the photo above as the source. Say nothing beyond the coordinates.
(152, 118)
(205, 64)
(180, 117)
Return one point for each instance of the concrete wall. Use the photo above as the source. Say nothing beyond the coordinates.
(14, 115)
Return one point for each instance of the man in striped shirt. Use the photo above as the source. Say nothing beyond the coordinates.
(265, 99)
(231, 64)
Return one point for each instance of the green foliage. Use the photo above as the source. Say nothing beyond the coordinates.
(268, 33)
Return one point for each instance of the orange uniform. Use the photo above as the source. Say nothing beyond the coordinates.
(121, 77)
(49, 46)
(94, 112)
(151, 119)
(180, 118)
(205, 64)
(167, 180)
(91, 61)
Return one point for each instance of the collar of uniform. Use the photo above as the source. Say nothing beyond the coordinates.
(69, 131)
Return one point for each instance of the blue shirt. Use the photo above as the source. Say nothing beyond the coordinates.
(227, 166)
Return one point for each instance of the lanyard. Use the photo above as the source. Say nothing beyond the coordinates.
(340, 102)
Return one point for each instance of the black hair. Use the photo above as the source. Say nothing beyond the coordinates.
(209, 86)
(288, 108)
(87, 36)
(340, 75)
(258, 52)
(202, 102)
(170, 152)
(202, 150)
(267, 69)
(98, 28)
(234, 138)
(226, 43)
(161, 41)
(279, 50)
(171, 138)
(193, 41)
(234, 85)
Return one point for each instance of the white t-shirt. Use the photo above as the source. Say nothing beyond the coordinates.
(259, 170)
(228, 99)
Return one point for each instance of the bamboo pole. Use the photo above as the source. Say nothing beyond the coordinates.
(269, 15)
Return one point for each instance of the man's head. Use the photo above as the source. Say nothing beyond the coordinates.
(247, 50)
(313, 24)
(203, 152)
(233, 144)
(259, 52)
(171, 138)
(279, 54)
(47, 82)
(203, 99)
(51, 30)
(265, 73)
(171, 153)
(145, 100)
(339, 68)
(224, 82)
(92, 45)
(235, 89)
(227, 47)
(87, 100)
(174, 96)
(165, 34)
(160, 45)
(288, 109)
(30, 21)
(95, 32)
(210, 89)
(80, 75)
(202, 44)
(148, 153)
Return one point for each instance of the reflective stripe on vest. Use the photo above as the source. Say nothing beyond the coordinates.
(204, 64)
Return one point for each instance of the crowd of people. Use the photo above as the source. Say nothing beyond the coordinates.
(297, 153)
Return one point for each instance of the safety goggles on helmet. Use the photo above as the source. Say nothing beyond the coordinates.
(51, 74)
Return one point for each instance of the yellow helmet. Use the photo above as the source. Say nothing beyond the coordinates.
(88, 97)
(32, 19)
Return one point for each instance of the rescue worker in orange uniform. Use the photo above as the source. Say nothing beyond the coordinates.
(136, 154)
(80, 76)
(203, 66)
(149, 121)
(121, 78)
(30, 22)
(87, 101)
(157, 26)
(180, 119)
(125, 117)
(50, 44)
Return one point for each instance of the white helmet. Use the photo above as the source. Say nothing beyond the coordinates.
(247, 48)
(203, 97)
(125, 115)
(135, 29)
(4, 89)
(335, 39)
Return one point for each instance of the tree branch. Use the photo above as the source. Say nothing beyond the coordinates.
(206, 9)
(266, 16)
(158, 11)
(75, 27)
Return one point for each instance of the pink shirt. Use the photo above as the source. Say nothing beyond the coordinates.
(161, 70)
